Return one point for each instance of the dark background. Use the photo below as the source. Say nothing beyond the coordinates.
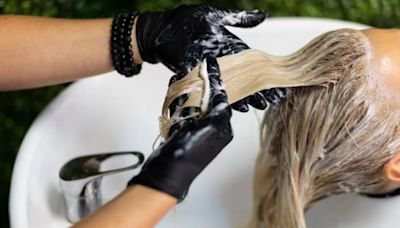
(19, 109)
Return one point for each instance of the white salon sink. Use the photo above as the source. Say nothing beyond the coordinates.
(111, 113)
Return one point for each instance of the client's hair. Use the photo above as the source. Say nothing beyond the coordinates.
(333, 133)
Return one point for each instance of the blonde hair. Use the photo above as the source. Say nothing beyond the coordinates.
(333, 133)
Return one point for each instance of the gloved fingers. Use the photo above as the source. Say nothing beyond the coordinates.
(217, 103)
(173, 79)
(218, 98)
(187, 111)
(210, 45)
(242, 18)
(241, 105)
(184, 113)
(258, 101)
(190, 62)
(177, 103)
(180, 73)
(274, 95)
(232, 44)
(205, 45)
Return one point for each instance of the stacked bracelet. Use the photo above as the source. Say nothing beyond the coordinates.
(121, 47)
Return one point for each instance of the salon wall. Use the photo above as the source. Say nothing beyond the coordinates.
(18, 109)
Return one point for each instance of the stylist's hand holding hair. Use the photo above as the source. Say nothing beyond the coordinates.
(178, 161)
(183, 37)
(167, 175)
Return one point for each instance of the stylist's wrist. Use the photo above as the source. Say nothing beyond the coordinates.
(137, 58)
(151, 192)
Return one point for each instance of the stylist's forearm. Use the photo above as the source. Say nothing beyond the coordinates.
(37, 51)
(137, 206)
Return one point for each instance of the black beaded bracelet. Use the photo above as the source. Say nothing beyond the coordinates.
(121, 47)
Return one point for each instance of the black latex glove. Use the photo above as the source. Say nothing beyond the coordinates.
(176, 163)
(183, 37)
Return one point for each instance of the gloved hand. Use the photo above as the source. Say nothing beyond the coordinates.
(183, 37)
(176, 163)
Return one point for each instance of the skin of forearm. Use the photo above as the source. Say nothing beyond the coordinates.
(38, 51)
(137, 206)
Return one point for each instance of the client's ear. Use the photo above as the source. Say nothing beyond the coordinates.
(391, 172)
(392, 169)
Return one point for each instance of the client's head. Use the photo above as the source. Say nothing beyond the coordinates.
(336, 132)
(324, 141)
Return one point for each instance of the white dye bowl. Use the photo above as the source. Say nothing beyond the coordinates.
(112, 113)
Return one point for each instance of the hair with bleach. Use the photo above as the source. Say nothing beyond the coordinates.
(332, 134)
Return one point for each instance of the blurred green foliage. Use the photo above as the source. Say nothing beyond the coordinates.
(380, 13)
(19, 109)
